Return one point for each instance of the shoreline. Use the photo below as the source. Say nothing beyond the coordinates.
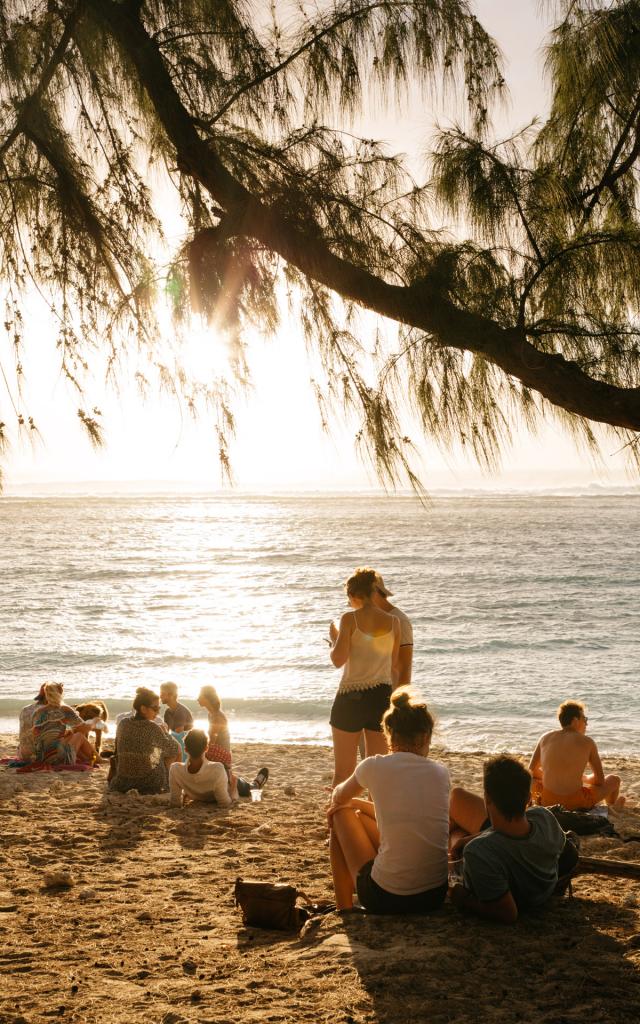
(305, 732)
(149, 932)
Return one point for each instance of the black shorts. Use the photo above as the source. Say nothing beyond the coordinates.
(377, 900)
(361, 709)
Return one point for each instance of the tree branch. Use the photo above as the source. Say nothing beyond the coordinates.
(559, 381)
(32, 102)
(277, 68)
(611, 173)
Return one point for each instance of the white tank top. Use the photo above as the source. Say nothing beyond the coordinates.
(369, 661)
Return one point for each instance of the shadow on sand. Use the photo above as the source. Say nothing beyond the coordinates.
(558, 966)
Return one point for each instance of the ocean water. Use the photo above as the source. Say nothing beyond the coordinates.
(517, 602)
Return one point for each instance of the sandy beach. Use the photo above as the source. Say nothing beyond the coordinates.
(148, 931)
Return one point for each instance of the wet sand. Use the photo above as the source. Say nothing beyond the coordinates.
(148, 931)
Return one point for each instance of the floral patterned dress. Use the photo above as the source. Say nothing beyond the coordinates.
(26, 741)
(50, 725)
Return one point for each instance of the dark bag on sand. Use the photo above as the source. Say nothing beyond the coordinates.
(568, 862)
(270, 905)
(581, 822)
(275, 906)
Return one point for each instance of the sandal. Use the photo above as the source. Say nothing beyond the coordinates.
(260, 779)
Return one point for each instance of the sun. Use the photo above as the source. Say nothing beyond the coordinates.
(206, 352)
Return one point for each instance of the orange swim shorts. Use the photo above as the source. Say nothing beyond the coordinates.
(582, 799)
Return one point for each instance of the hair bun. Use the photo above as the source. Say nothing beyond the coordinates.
(407, 717)
(362, 583)
(401, 698)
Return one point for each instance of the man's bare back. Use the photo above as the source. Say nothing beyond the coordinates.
(559, 761)
(564, 756)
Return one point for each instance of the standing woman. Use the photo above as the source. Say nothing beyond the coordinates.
(393, 850)
(366, 646)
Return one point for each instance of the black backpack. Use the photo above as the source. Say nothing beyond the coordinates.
(582, 823)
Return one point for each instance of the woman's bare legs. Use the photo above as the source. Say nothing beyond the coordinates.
(365, 806)
(467, 814)
(350, 848)
(371, 828)
(345, 754)
(375, 742)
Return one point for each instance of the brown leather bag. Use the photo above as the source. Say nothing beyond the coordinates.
(270, 905)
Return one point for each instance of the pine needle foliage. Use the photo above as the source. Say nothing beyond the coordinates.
(527, 304)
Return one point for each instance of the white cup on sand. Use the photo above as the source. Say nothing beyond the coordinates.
(256, 796)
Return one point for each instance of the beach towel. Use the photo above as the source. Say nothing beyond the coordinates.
(39, 766)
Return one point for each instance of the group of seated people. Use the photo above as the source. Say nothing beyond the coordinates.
(395, 850)
(152, 754)
(502, 852)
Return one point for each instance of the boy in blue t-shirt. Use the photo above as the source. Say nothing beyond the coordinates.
(510, 861)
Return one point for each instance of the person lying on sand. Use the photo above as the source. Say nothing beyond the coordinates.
(394, 850)
(510, 859)
(560, 759)
(198, 779)
(201, 779)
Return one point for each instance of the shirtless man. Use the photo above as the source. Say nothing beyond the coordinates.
(401, 672)
(559, 761)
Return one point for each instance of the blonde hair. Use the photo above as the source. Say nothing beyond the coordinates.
(169, 688)
(211, 694)
(362, 583)
(407, 719)
(53, 694)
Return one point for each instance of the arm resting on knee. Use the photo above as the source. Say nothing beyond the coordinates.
(365, 807)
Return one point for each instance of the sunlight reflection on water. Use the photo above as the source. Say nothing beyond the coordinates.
(516, 604)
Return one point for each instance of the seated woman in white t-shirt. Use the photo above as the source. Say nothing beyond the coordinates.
(393, 851)
(198, 779)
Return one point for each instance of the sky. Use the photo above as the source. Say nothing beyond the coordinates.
(279, 442)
